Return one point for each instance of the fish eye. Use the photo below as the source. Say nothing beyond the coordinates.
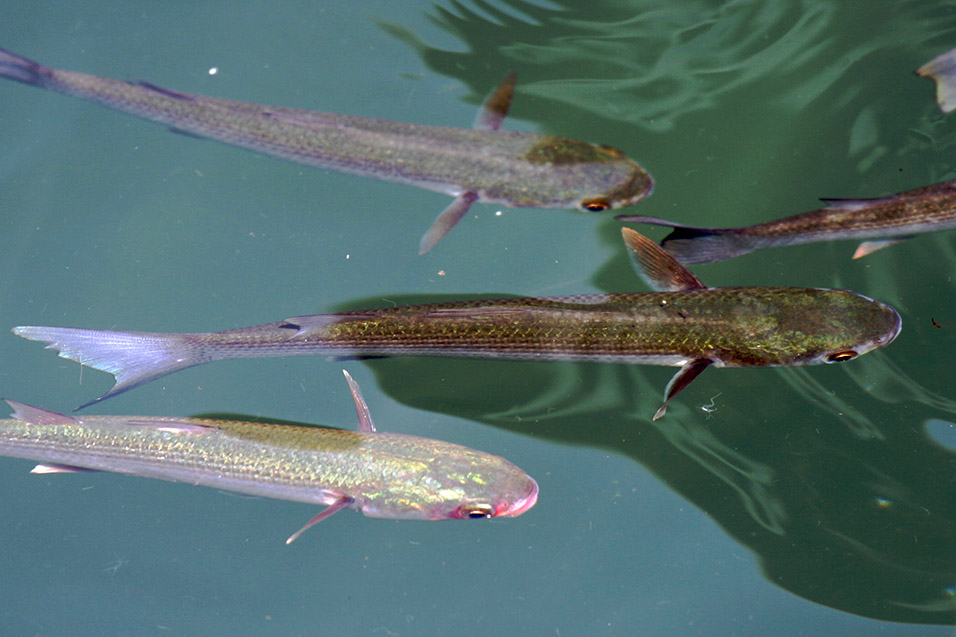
(595, 205)
(475, 511)
(841, 356)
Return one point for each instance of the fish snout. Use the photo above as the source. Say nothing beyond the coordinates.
(515, 508)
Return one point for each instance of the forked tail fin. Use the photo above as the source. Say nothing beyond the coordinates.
(133, 358)
(691, 245)
(14, 67)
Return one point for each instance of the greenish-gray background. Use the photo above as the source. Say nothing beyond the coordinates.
(804, 501)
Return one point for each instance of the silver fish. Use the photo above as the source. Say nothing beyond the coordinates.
(685, 324)
(883, 220)
(382, 475)
(485, 164)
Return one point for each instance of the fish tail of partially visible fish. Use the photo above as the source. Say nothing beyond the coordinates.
(133, 358)
(690, 245)
(15, 67)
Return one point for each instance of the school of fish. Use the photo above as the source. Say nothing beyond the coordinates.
(682, 322)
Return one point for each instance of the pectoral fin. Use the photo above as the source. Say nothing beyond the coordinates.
(447, 220)
(869, 247)
(336, 506)
(660, 271)
(682, 379)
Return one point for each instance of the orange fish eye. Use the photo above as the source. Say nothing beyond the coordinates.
(839, 357)
(475, 511)
(595, 205)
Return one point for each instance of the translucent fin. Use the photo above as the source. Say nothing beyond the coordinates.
(495, 108)
(37, 416)
(942, 70)
(15, 67)
(869, 247)
(682, 379)
(333, 508)
(447, 220)
(43, 469)
(691, 245)
(365, 423)
(133, 358)
(188, 427)
(660, 271)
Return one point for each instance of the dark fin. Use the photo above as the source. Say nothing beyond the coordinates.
(15, 67)
(447, 220)
(869, 247)
(133, 358)
(365, 424)
(37, 416)
(660, 271)
(335, 507)
(188, 427)
(942, 70)
(42, 469)
(185, 133)
(495, 108)
(176, 95)
(682, 379)
(691, 245)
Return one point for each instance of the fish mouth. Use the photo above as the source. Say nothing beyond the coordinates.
(641, 185)
(520, 506)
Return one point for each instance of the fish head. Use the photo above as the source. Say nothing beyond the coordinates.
(463, 484)
(848, 326)
(568, 173)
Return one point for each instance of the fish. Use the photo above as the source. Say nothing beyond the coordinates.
(884, 221)
(942, 70)
(481, 164)
(683, 323)
(383, 475)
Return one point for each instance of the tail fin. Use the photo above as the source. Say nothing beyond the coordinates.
(133, 358)
(691, 245)
(14, 67)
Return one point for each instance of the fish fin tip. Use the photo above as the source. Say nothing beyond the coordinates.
(446, 220)
(869, 247)
(660, 270)
(942, 70)
(335, 507)
(50, 468)
(38, 416)
(495, 107)
(684, 377)
(365, 423)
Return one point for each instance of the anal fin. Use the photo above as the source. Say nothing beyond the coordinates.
(447, 220)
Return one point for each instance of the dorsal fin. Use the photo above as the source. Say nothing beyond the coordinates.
(37, 416)
(365, 424)
(660, 271)
(495, 108)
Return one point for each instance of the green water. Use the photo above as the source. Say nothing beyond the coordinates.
(793, 502)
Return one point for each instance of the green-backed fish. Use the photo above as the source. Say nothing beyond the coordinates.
(486, 164)
(882, 220)
(685, 323)
(383, 475)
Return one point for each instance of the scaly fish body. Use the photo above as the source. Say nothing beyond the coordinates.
(384, 475)
(504, 167)
(886, 220)
(684, 323)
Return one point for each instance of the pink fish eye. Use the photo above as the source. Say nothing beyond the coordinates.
(595, 205)
(474, 511)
